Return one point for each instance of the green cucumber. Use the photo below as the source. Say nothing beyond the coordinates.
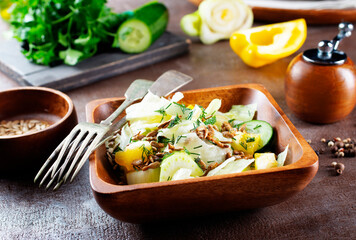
(259, 127)
(176, 161)
(147, 24)
(151, 175)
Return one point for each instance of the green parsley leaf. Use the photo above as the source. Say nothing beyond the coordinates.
(210, 121)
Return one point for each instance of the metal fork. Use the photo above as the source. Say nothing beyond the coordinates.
(75, 149)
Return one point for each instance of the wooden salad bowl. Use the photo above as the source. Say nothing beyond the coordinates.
(149, 202)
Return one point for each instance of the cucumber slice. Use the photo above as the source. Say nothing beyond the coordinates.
(243, 112)
(151, 175)
(177, 161)
(147, 24)
(263, 128)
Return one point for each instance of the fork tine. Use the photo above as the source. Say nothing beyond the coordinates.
(47, 163)
(90, 149)
(49, 159)
(53, 179)
(74, 146)
(72, 135)
(58, 184)
(79, 153)
(46, 175)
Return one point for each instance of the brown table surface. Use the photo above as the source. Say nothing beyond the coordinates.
(325, 209)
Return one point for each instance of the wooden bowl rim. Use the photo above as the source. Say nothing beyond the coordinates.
(42, 89)
(308, 158)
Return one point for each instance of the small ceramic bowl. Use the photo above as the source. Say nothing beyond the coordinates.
(24, 154)
(149, 202)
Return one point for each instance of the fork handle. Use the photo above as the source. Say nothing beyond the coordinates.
(137, 90)
(117, 112)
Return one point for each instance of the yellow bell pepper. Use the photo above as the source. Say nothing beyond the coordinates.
(266, 44)
(134, 151)
(4, 9)
(246, 142)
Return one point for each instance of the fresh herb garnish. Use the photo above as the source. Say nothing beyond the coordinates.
(211, 142)
(183, 108)
(179, 137)
(145, 152)
(250, 139)
(56, 31)
(196, 124)
(190, 153)
(190, 115)
(117, 149)
(258, 126)
(174, 122)
(210, 121)
(203, 113)
(231, 120)
(168, 106)
(198, 147)
(167, 155)
(165, 140)
(197, 160)
(244, 145)
(163, 112)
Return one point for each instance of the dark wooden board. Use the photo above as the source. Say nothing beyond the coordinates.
(96, 68)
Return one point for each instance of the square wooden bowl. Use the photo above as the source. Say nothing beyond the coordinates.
(205, 195)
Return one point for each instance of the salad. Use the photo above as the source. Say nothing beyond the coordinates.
(164, 140)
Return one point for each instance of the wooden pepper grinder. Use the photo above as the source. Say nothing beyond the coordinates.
(320, 85)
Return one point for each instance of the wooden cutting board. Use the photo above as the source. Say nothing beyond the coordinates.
(96, 68)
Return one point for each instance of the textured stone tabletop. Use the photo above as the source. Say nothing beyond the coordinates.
(325, 209)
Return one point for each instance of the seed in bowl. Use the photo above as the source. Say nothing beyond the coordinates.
(19, 127)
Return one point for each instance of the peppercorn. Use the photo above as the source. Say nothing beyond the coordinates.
(347, 152)
(339, 167)
(333, 164)
(352, 153)
(334, 149)
(309, 141)
(341, 154)
(330, 143)
(323, 140)
(337, 139)
(336, 154)
(339, 144)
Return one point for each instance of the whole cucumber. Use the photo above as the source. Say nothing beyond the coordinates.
(146, 25)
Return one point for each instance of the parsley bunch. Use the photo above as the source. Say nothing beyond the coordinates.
(56, 31)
